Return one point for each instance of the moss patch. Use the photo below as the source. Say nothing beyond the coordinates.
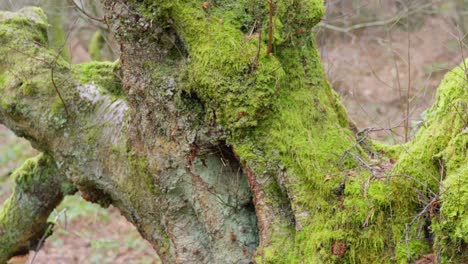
(105, 75)
(436, 162)
(225, 70)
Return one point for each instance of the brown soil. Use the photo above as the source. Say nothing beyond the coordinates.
(95, 240)
(370, 71)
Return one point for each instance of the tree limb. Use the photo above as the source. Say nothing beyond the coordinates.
(23, 217)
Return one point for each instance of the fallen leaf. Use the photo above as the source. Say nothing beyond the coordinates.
(339, 248)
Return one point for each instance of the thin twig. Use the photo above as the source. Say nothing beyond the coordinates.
(408, 90)
(373, 23)
(270, 28)
(81, 10)
(46, 234)
(57, 90)
(52, 70)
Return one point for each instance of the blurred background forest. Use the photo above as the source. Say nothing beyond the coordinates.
(385, 58)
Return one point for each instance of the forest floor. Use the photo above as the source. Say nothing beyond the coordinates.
(360, 66)
(370, 71)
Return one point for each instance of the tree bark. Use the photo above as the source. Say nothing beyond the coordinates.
(219, 156)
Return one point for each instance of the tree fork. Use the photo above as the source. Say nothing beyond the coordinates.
(214, 162)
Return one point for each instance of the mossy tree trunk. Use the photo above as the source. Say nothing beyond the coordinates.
(220, 153)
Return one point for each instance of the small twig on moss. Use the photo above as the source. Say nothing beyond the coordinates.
(430, 207)
(460, 114)
(362, 136)
(259, 45)
(57, 90)
(270, 28)
(253, 28)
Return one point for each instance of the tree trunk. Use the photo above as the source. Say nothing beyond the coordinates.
(221, 153)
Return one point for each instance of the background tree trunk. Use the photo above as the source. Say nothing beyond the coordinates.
(219, 153)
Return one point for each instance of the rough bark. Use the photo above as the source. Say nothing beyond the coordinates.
(221, 153)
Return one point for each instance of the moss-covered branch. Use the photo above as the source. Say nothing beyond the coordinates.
(202, 99)
(437, 158)
(44, 98)
(35, 83)
(39, 188)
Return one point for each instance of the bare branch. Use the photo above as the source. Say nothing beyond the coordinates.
(82, 11)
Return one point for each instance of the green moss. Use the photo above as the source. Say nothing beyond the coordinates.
(391, 151)
(412, 250)
(31, 21)
(25, 175)
(371, 216)
(438, 152)
(34, 14)
(27, 76)
(38, 171)
(445, 120)
(23, 217)
(220, 69)
(223, 70)
(281, 112)
(305, 131)
(451, 226)
(28, 89)
(57, 115)
(106, 75)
